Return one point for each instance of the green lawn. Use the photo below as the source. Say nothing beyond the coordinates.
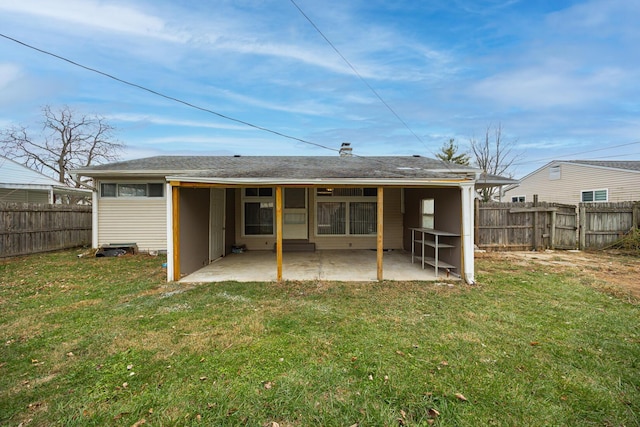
(86, 341)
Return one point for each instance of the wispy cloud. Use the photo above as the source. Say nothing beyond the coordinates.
(117, 18)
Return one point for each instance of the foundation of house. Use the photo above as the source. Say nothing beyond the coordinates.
(325, 265)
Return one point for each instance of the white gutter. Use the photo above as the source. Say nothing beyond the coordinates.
(169, 196)
(468, 249)
(94, 219)
(402, 182)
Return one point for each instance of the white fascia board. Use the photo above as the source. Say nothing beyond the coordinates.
(26, 187)
(126, 173)
(324, 181)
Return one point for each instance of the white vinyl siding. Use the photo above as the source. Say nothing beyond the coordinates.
(140, 220)
(621, 185)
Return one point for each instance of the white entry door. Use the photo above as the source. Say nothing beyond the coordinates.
(294, 214)
(216, 224)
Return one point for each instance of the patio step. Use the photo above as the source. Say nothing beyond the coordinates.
(297, 245)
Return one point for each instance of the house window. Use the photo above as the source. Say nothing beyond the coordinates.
(594, 195)
(554, 172)
(346, 211)
(518, 199)
(258, 212)
(427, 212)
(154, 189)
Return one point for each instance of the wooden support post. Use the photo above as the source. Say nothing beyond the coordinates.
(175, 203)
(279, 232)
(380, 240)
(635, 215)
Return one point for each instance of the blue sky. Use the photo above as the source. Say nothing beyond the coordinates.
(562, 78)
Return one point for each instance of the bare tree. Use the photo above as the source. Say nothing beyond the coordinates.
(494, 156)
(449, 153)
(68, 140)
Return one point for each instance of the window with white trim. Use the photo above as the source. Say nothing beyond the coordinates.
(518, 199)
(150, 189)
(258, 211)
(346, 211)
(427, 213)
(601, 195)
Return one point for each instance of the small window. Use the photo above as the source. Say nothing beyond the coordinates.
(108, 190)
(428, 211)
(594, 196)
(518, 199)
(258, 192)
(132, 190)
(156, 190)
(554, 172)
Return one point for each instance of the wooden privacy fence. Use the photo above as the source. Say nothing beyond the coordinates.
(27, 228)
(527, 226)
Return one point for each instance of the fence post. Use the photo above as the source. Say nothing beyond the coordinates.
(582, 228)
(552, 232)
(534, 236)
(635, 213)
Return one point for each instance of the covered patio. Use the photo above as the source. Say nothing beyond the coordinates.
(324, 265)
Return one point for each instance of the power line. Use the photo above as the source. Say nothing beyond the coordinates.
(171, 98)
(186, 103)
(578, 154)
(359, 75)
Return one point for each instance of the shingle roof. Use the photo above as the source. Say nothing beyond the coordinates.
(622, 164)
(289, 167)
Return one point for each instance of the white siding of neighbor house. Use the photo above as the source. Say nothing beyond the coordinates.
(575, 178)
(23, 196)
(140, 220)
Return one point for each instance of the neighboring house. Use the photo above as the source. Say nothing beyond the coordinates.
(200, 208)
(20, 184)
(576, 181)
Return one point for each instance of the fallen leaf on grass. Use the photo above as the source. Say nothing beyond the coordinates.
(534, 343)
(433, 413)
(461, 397)
(268, 385)
(203, 378)
(399, 353)
(139, 423)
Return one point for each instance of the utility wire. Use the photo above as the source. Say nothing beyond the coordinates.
(188, 104)
(578, 154)
(171, 98)
(359, 75)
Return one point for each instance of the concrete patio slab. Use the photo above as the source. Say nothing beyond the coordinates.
(338, 265)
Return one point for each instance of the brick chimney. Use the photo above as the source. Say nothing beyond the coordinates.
(345, 149)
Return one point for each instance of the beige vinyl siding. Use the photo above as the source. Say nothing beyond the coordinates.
(621, 185)
(140, 220)
(23, 196)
